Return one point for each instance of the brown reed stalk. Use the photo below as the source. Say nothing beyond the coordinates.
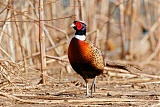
(132, 28)
(42, 42)
(107, 30)
(22, 49)
(80, 3)
(148, 19)
(122, 26)
(92, 23)
(76, 9)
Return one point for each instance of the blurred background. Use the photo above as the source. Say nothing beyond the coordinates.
(35, 34)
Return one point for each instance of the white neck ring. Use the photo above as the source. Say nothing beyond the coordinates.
(80, 37)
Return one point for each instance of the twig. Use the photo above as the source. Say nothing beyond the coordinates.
(1, 48)
(60, 30)
(30, 101)
(57, 58)
(109, 100)
(49, 20)
(46, 49)
(157, 49)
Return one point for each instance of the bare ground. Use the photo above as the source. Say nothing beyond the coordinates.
(68, 89)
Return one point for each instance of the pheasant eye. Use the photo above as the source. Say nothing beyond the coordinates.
(79, 25)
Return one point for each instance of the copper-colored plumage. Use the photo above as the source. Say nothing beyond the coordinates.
(85, 59)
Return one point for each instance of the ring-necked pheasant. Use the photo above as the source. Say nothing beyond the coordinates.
(84, 57)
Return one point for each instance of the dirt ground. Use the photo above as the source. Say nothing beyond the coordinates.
(68, 89)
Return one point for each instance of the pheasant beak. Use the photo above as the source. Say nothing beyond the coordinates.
(73, 25)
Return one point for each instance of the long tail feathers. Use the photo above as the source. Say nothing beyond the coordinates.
(121, 66)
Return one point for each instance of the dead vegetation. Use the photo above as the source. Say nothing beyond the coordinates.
(34, 38)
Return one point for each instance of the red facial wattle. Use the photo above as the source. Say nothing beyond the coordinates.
(79, 25)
